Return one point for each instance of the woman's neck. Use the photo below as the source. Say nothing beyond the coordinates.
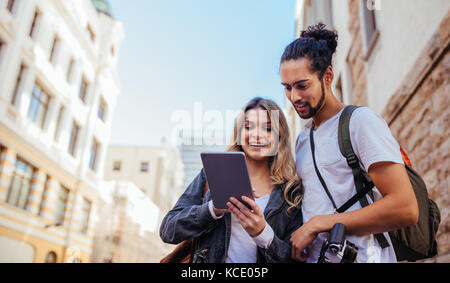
(259, 175)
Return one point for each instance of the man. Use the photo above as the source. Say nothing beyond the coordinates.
(307, 75)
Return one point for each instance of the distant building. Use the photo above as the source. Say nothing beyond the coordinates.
(58, 90)
(156, 170)
(392, 56)
(192, 163)
(127, 229)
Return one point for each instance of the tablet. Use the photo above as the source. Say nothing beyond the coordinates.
(227, 176)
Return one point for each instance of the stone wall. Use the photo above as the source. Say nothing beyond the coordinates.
(418, 113)
(419, 117)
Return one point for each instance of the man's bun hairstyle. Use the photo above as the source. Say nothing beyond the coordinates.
(316, 43)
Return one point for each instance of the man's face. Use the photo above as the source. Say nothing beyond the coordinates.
(302, 87)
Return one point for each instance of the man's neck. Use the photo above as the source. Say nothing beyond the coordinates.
(329, 109)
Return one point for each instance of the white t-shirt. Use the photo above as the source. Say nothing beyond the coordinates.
(372, 142)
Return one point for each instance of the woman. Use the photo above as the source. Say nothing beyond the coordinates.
(239, 234)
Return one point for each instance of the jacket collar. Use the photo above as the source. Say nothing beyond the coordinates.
(276, 200)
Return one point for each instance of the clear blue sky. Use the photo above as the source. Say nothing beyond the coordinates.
(178, 52)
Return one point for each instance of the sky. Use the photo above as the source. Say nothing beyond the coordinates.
(180, 53)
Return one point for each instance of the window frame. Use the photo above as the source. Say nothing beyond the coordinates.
(93, 155)
(146, 168)
(33, 28)
(368, 19)
(38, 105)
(86, 207)
(19, 79)
(102, 108)
(55, 46)
(84, 86)
(10, 6)
(117, 168)
(20, 175)
(73, 139)
(62, 201)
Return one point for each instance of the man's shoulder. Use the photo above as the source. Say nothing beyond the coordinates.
(365, 119)
(363, 113)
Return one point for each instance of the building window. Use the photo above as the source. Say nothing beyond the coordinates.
(91, 33)
(36, 18)
(370, 26)
(53, 51)
(20, 184)
(38, 106)
(58, 122)
(18, 83)
(61, 204)
(2, 45)
(85, 212)
(117, 165)
(10, 6)
(144, 166)
(83, 89)
(70, 70)
(101, 110)
(73, 138)
(94, 155)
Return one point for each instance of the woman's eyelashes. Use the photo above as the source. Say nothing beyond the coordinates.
(266, 128)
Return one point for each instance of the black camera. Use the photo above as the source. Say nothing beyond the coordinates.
(336, 248)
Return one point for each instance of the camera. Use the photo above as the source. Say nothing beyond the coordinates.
(336, 249)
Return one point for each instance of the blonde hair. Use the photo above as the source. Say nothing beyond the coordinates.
(281, 164)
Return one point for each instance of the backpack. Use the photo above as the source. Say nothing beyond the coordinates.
(410, 243)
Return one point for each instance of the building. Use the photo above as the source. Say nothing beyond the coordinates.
(190, 156)
(393, 57)
(156, 170)
(58, 90)
(128, 226)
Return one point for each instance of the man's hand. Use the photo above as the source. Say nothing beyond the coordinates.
(252, 221)
(305, 235)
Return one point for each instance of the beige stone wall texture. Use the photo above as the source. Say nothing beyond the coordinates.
(419, 117)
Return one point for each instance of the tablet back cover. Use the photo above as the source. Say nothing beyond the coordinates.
(227, 176)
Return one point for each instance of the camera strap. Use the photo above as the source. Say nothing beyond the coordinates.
(322, 181)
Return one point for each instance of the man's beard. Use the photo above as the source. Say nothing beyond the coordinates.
(313, 110)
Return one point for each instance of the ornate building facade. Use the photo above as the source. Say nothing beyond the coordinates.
(58, 90)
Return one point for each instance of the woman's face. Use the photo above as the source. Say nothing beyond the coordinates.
(257, 138)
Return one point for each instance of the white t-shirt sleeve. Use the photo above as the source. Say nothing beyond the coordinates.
(372, 139)
(211, 210)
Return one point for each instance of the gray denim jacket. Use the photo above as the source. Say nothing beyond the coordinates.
(191, 218)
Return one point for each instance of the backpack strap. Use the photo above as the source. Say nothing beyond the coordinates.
(346, 148)
(363, 186)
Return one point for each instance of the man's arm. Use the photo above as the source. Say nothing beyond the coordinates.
(398, 208)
